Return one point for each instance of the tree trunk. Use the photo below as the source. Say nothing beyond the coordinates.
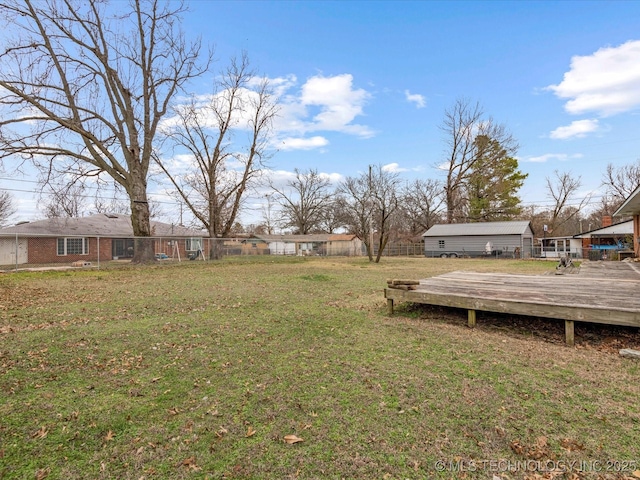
(144, 248)
(215, 248)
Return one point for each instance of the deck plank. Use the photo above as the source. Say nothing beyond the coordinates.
(602, 292)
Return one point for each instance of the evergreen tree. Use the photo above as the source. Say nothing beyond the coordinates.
(493, 183)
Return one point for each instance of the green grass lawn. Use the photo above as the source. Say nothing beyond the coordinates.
(199, 370)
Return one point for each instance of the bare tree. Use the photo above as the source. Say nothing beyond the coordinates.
(462, 125)
(371, 207)
(67, 201)
(76, 198)
(334, 216)
(359, 209)
(564, 211)
(222, 166)
(6, 207)
(85, 85)
(421, 205)
(114, 205)
(303, 200)
(268, 216)
(621, 182)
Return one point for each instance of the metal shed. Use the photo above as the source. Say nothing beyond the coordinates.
(486, 239)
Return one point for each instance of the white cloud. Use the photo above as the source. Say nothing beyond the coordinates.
(280, 178)
(577, 129)
(292, 143)
(561, 157)
(416, 98)
(394, 168)
(321, 104)
(606, 82)
(334, 178)
(279, 85)
(339, 104)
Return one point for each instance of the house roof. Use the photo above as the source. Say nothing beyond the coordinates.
(631, 206)
(621, 228)
(101, 225)
(480, 228)
(313, 237)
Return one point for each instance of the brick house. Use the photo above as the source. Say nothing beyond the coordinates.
(100, 237)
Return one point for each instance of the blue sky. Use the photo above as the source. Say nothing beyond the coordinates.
(367, 82)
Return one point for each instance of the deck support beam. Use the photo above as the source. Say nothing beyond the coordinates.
(471, 318)
(390, 306)
(584, 297)
(569, 333)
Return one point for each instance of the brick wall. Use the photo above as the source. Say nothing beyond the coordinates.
(45, 250)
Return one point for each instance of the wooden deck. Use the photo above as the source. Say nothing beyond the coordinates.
(601, 292)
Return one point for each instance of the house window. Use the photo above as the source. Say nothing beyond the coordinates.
(193, 244)
(73, 246)
(440, 243)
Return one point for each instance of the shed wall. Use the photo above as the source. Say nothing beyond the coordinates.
(475, 245)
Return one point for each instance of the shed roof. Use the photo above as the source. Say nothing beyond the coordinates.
(480, 228)
(103, 225)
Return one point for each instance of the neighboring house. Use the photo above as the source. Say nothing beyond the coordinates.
(557, 247)
(600, 243)
(483, 239)
(312, 244)
(631, 208)
(92, 238)
(594, 244)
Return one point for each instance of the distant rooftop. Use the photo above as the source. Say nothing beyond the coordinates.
(102, 225)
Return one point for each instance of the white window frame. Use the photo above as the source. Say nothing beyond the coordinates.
(193, 242)
(65, 246)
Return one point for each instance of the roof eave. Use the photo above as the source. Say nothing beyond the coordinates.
(631, 206)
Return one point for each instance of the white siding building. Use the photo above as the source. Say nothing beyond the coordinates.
(483, 239)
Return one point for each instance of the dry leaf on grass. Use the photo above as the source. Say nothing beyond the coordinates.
(517, 447)
(40, 433)
(42, 473)
(109, 436)
(250, 432)
(292, 439)
(190, 464)
(571, 445)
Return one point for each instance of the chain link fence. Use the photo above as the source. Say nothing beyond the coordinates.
(497, 252)
(19, 251)
(593, 253)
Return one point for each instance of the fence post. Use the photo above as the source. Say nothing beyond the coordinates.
(16, 251)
